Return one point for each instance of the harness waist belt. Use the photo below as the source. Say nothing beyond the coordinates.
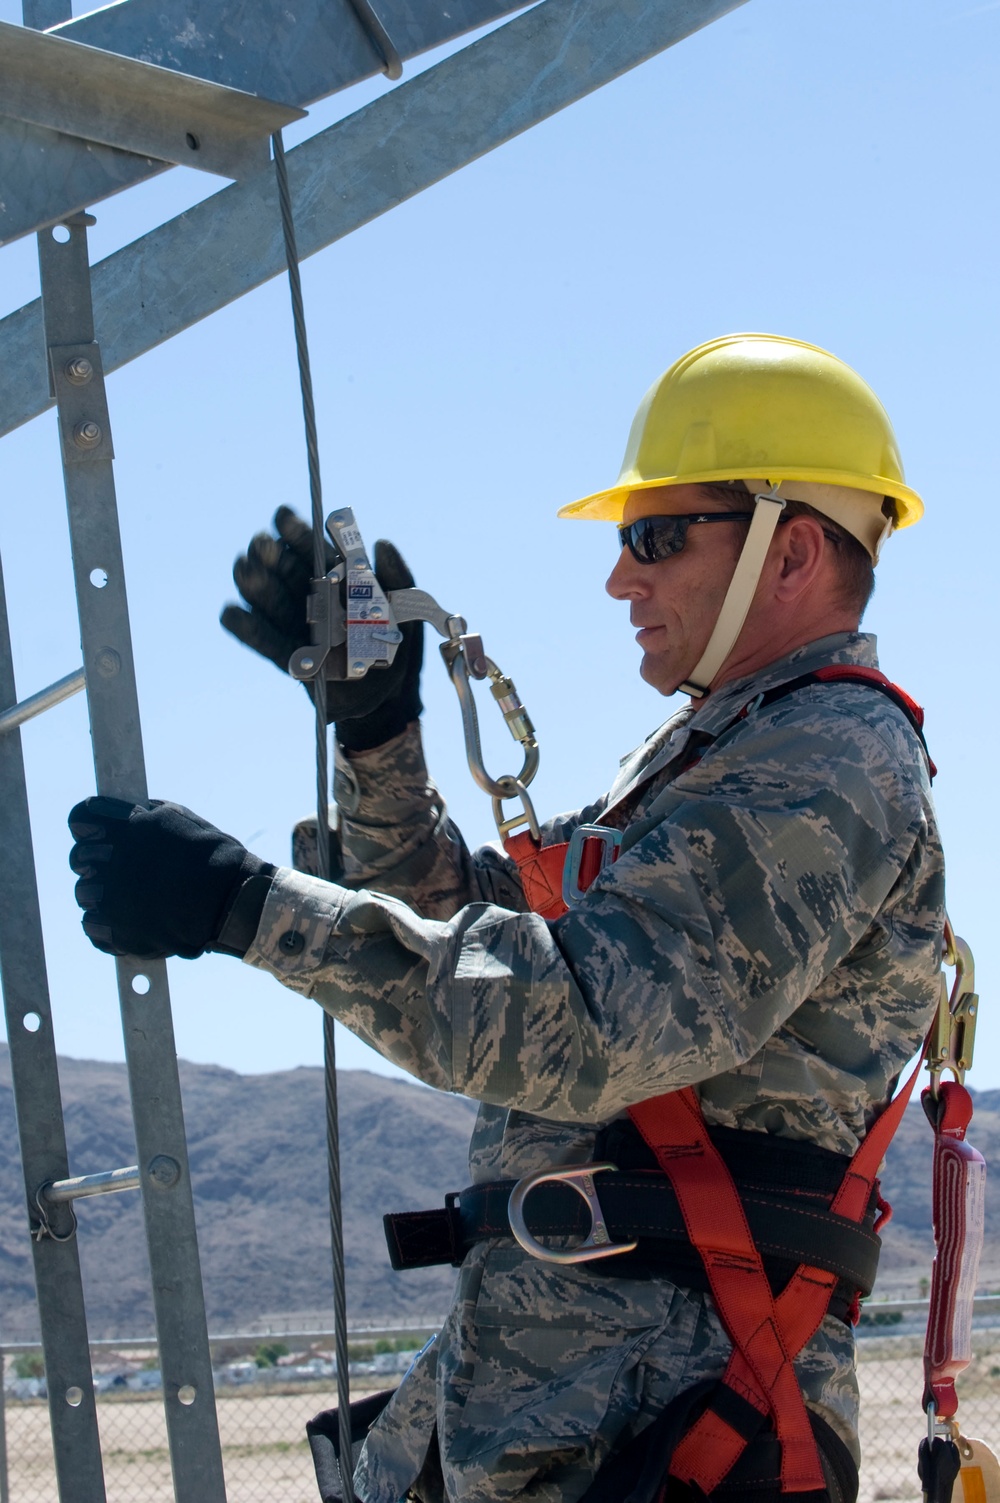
(789, 1228)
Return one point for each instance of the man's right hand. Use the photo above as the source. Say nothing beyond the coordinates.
(274, 578)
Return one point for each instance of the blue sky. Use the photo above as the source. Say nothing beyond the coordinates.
(823, 171)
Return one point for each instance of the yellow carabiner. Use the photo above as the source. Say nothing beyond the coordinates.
(953, 1032)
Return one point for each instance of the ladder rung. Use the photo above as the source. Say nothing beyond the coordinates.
(61, 1190)
(36, 704)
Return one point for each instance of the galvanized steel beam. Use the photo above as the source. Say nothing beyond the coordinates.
(52, 176)
(84, 91)
(150, 1052)
(291, 50)
(297, 50)
(347, 175)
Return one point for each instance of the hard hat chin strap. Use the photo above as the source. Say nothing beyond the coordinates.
(742, 586)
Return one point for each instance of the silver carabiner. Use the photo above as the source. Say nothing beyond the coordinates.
(465, 659)
(596, 1244)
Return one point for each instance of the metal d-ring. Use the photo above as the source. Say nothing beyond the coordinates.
(514, 788)
(596, 1244)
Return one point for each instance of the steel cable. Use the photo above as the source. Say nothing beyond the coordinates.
(322, 823)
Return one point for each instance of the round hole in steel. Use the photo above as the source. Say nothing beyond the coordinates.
(192, 140)
(140, 985)
(187, 1393)
(62, 233)
(98, 578)
(32, 1021)
(74, 1397)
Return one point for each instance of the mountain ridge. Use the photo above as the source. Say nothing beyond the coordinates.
(258, 1172)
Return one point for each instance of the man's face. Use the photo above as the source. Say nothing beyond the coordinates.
(675, 603)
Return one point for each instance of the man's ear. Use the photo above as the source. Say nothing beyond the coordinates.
(801, 546)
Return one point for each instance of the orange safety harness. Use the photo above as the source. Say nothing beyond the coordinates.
(767, 1331)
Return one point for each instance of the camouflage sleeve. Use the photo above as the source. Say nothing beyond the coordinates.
(390, 831)
(748, 880)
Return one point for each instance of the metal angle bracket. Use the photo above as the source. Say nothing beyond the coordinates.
(139, 107)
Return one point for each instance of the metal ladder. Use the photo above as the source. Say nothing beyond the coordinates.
(162, 1171)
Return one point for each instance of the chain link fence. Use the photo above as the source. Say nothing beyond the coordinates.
(890, 1375)
(268, 1386)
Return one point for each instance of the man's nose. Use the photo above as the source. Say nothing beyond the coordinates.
(625, 582)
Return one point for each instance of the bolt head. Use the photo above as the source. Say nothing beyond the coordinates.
(79, 371)
(87, 435)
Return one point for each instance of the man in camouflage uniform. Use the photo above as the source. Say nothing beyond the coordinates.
(769, 935)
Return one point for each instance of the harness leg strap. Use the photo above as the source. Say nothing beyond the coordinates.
(674, 1129)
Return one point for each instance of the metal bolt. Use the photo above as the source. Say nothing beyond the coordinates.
(79, 371)
(87, 435)
(108, 662)
(164, 1171)
(358, 667)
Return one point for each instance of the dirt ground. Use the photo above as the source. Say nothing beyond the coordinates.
(265, 1452)
(267, 1458)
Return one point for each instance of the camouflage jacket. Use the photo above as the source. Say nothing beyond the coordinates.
(770, 934)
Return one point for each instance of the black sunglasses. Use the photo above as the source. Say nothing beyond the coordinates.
(652, 539)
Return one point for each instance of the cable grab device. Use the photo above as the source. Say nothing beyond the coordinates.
(356, 629)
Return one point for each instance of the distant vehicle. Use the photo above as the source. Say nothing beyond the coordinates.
(239, 1372)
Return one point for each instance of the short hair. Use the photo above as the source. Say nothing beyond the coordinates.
(854, 566)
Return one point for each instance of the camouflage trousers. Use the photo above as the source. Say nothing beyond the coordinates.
(540, 1371)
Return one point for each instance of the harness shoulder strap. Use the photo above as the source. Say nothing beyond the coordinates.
(541, 867)
(852, 674)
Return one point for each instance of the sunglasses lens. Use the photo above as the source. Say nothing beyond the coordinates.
(654, 538)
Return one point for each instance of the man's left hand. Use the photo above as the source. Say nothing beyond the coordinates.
(155, 879)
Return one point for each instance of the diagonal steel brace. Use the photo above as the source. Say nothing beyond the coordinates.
(347, 175)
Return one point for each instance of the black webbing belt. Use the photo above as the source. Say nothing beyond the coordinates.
(789, 1228)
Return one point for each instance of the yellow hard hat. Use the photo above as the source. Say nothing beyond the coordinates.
(779, 410)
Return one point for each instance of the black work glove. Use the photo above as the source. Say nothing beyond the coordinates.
(156, 880)
(274, 577)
